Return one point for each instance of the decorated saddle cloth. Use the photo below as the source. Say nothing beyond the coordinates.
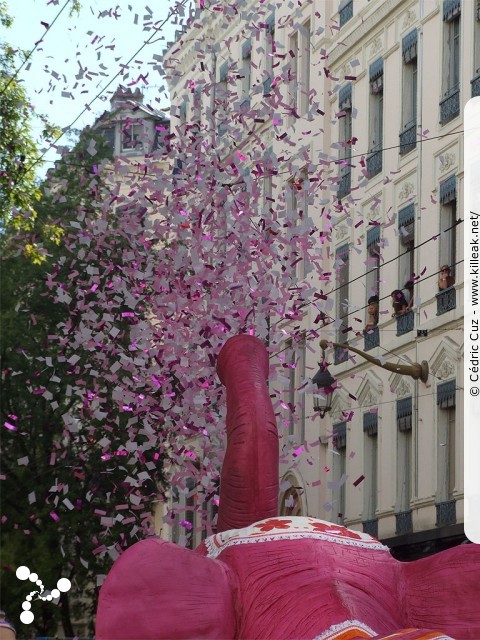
(355, 630)
(294, 528)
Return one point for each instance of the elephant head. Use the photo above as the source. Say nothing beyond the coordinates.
(262, 576)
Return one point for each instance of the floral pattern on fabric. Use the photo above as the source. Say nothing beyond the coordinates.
(292, 528)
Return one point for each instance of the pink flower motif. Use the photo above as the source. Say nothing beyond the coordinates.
(272, 524)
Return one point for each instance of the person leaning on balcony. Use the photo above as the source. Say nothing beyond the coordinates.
(372, 311)
(409, 287)
(445, 278)
(7, 630)
(399, 303)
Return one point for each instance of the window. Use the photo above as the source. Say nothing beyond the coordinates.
(345, 11)
(404, 465)
(406, 235)
(345, 140)
(339, 469)
(374, 159)
(296, 364)
(448, 219)
(341, 300)
(450, 102)
(370, 488)
(197, 105)
(373, 261)
(246, 73)
(291, 388)
(221, 98)
(293, 78)
(270, 50)
(476, 50)
(408, 134)
(132, 132)
(446, 394)
(305, 67)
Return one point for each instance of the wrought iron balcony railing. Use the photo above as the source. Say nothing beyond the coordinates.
(408, 138)
(344, 186)
(346, 13)
(446, 300)
(446, 513)
(371, 527)
(403, 522)
(374, 163)
(372, 339)
(476, 86)
(450, 104)
(405, 322)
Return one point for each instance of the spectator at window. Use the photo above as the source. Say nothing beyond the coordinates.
(399, 303)
(409, 287)
(445, 278)
(372, 311)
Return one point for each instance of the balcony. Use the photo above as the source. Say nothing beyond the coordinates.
(371, 527)
(446, 300)
(374, 162)
(476, 85)
(446, 513)
(404, 523)
(405, 323)
(450, 104)
(344, 186)
(372, 339)
(340, 355)
(408, 138)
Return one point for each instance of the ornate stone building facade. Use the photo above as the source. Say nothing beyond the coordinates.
(360, 102)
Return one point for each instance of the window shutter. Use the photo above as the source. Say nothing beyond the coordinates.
(448, 190)
(404, 414)
(451, 9)
(342, 253)
(370, 423)
(446, 394)
(376, 76)
(373, 237)
(345, 97)
(340, 435)
(409, 46)
(406, 224)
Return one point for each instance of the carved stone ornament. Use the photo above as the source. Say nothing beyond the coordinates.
(403, 389)
(406, 191)
(409, 19)
(376, 46)
(447, 161)
(347, 69)
(446, 370)
(342, 231)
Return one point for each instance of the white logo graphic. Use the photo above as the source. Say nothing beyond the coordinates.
(23, 573)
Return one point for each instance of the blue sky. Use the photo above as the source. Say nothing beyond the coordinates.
(81, 54)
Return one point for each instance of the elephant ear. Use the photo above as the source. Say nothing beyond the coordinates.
(157, 590)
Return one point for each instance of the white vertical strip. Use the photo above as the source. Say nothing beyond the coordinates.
(472, 319)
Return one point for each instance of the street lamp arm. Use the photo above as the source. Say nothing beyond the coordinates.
(416, 371)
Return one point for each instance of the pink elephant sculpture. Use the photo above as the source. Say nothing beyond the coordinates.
(262, 576)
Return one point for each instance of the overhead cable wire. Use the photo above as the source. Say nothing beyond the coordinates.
(171, 13)
(27, 57)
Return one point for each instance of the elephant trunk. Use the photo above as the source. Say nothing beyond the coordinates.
(249, 480)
